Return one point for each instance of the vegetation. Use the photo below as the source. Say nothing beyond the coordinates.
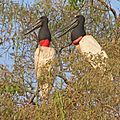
(79, 92)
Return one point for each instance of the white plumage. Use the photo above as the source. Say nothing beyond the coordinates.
(94, 53)
(92, 49)
(42, 60)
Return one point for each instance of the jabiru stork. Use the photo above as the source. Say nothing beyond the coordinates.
(44, 54)
(86, 44)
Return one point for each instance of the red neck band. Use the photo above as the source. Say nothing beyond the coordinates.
(76, 42)
(45, 43)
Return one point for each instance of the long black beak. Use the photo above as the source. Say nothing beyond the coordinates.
(66, 29)
(35, 26)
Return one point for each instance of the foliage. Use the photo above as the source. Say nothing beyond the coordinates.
(88, 94)
(75, 3)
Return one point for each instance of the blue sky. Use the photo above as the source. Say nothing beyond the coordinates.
(114, 3)
(25, 1)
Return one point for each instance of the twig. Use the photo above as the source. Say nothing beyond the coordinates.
(36, 37)
(65, 79)
(110, 107)
(34, 95)
(64, 47)
(5, 51)
(108, 7)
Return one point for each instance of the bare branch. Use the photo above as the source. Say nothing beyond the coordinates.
(108, 7)
(65, 79)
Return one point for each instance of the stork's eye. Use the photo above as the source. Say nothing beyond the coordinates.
(41, 17)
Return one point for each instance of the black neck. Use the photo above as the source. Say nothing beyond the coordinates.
(44, 33)
(78, 31)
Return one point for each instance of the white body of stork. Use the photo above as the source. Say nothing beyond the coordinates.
(92, 49)
(43, 65)
(94, 53)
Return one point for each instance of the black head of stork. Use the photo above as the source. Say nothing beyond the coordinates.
(42, 25)
(77, 27)
(78, 30)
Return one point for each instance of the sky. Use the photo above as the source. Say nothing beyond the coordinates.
(114, 3)
(25, 1)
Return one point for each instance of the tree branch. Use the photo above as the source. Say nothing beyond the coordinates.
(65, 79)
(108, 7)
